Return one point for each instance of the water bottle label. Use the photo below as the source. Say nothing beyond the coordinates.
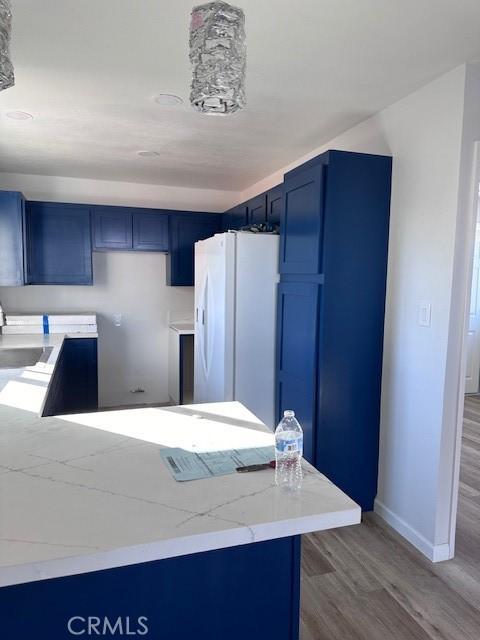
(290, 446)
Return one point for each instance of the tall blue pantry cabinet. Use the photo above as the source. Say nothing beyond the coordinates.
(331, 303)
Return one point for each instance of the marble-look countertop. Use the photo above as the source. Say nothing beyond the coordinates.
(31, 385)
(183, 328)
(88, 492)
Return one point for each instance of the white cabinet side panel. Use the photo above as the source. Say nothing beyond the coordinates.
(173, 366)
(255, 317)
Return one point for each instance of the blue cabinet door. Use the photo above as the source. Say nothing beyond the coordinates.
(297, 328)
(59, 249)
(235, 218)
(302, 221)
(274, 204)
(112, 228)
(12, 232)
(185, 230)
(150, 231)
(80, 381)
(257, 209)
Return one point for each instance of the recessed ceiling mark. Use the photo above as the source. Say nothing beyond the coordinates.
(167, 100)
(19, 115)
(148, 154)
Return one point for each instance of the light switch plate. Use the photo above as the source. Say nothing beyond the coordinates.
(425, 314)
(117, 319)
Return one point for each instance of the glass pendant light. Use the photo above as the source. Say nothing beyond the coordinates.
(7, 78)
(218, 57)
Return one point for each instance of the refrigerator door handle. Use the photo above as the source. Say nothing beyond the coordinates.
(203, 316)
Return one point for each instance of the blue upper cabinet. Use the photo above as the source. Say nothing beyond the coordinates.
(121, 229)
(274, 204)
(235, 218)
(185, 230)
(257, 209)
(150, 231)
(112, 229)
(302, 220)
(12, 231)
(59, 249)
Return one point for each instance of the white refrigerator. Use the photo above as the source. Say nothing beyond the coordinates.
(236, 276)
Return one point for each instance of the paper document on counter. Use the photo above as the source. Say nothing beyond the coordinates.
(189, 465)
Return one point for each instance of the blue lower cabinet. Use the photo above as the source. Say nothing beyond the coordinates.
(12, 239)
(297, 331)
(59, 249)
(185, 231)
(112, 229)
(74, 387)
(150, 231)
(249, 592)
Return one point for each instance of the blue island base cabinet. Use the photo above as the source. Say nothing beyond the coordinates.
(250, 592)
(74, 386)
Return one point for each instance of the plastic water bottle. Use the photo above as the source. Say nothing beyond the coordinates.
(288, 452)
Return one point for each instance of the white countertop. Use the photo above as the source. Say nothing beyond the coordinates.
(88, 492)
(183, 328)
(36, 379)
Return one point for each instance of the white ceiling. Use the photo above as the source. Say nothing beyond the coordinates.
(87, 71)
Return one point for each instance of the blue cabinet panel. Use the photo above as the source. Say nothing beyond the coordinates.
(185, 230)
(298, 305)
(334, 234)
(74, 387)
(59, 247)
(302, 221)
(112, 228)
(235, 218)
(150, 231)
(257, 209)
(274, 204)
(80, 376)
(12, 239)
(248, 592)
(350, 365)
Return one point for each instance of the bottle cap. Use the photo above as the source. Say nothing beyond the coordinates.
(289, 413)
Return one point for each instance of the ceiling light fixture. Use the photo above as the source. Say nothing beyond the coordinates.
(148, 154)
(218, 57)
(168, 100)
(19, 115)
(7, 76)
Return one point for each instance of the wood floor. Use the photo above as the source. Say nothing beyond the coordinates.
(367, 583)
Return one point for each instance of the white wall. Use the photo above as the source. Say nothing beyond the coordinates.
(135, 354)
(59, 189)
(423, 133)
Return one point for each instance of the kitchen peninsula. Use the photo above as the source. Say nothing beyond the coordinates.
(93, 524)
